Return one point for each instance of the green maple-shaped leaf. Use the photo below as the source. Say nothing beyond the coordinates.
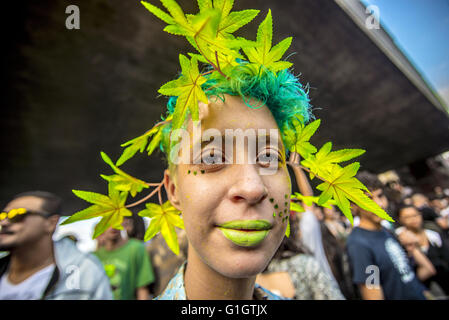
(188, 90)
(296, 139)
(324, 159)
(341, 185)
(121, 180)
(164, 219)
(111, 208)
(262, 53)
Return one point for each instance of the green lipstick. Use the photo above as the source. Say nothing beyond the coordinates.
(245, 233)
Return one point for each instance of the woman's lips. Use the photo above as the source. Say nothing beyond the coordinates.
(245, 233)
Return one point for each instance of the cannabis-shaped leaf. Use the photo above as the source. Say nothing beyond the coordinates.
(296, 137)
(341, 185)
(188, 90)
(164, 219)
(294, 206)
(111, 208)
(324, 159)
(139, 143)
(310, 200)
(262, 53)
(287, 230)
(121, 180)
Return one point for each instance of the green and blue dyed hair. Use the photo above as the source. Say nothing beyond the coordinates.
(281, 92)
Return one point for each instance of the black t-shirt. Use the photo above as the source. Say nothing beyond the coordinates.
(376, 257)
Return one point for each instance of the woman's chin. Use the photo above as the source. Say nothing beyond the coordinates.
(242, 268)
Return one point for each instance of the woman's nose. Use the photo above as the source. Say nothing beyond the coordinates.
(248, 186)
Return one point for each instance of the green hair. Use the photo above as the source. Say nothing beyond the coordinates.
(281, 92)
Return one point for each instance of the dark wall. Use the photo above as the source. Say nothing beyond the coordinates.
(67, 94)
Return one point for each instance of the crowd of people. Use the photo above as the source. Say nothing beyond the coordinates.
(325, 256)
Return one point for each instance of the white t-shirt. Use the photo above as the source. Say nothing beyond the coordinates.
(31, 288)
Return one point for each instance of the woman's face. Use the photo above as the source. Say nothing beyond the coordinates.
(411, 218)
(234, 214)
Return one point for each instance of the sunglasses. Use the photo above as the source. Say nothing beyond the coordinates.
(19, 214)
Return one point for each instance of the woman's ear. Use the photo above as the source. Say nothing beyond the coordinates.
(170, 188)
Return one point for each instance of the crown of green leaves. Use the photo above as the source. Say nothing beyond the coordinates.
(210, 32)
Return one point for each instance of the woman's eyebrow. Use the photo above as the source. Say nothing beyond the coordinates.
(265, 137)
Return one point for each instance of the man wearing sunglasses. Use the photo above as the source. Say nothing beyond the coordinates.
(37, 267)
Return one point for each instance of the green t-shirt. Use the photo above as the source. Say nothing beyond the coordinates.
(128, 267)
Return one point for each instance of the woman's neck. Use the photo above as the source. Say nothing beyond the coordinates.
(204, 283)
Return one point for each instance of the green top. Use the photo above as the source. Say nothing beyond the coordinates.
(128, 268)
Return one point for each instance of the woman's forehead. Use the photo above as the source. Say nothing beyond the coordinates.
(233, 113)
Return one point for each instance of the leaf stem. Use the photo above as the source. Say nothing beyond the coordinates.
(293, 161)
(147, 197)
(212, 64)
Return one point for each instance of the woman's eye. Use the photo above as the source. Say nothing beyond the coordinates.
(267, 157)
(212, 157)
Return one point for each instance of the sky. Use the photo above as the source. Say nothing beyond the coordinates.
(420, 28)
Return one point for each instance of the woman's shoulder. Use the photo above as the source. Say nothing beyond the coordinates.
(260, 293)
(434, 237)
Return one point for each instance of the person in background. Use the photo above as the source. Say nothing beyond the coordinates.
(309, 225)
(37, 267)
(380, 267)
(432, 220)
(165, 262)
(295, 273)
(127, 264)
(134, 227)
(334, 236)
(334, 225)
(414, 237)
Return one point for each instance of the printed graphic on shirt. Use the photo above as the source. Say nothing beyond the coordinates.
(399, 259)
